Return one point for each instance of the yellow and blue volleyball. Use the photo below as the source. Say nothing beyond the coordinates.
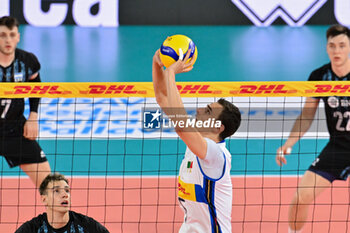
(169, 51)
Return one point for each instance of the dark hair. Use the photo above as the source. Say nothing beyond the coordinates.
(336, 30)
(49, 178)
(9, 22)
(230, 117)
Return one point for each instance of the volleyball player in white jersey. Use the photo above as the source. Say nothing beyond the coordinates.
(205, 188)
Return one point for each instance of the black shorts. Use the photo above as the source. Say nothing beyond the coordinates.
(333, 163)
(19, 150)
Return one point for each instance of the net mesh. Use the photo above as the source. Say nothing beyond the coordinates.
(125, 176)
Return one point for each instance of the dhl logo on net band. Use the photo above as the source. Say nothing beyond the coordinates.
(186, 89)
(120, 117)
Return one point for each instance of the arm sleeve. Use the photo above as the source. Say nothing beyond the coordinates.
(314, 76)
(213, 164)
(34, 102)
(98, 228)
(34, 63)
(25, 228)
(94, 226)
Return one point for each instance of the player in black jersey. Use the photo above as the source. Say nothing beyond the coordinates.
(333, 163)
(18, 134)
(55, 194)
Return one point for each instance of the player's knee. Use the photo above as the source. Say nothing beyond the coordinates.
(304, 196)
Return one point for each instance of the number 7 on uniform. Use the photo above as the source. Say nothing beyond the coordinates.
(6, 103)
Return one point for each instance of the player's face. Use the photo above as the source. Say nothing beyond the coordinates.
(212, 111)
(9, 39)
(338, 49)
(57, 197)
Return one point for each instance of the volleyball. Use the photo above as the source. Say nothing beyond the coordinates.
(169, 51)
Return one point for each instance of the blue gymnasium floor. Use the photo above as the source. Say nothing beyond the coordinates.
(124, 54)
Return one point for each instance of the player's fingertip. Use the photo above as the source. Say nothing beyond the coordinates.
(281, 154)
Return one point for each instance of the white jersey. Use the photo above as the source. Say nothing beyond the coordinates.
(205, 190)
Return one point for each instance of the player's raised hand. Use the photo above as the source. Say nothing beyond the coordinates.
(182, 65)
(156, 59)
(281, 152)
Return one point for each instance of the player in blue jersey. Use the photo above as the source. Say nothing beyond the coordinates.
(18, 134)
(55, 194)
(333, 163)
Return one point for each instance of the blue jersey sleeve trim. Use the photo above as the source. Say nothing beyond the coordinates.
(209, 178)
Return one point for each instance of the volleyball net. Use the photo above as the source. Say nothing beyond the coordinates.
(122, 159)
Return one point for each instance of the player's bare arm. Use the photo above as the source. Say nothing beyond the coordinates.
(169, 100)
(300, 127)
